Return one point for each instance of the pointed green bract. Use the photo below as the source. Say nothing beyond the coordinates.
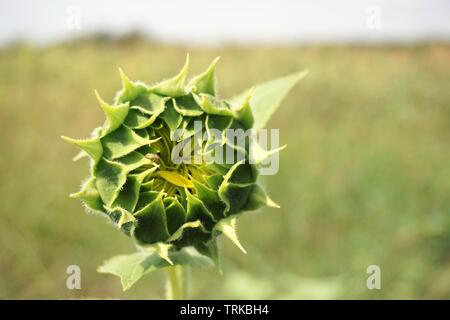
(135, 160)
(151, 104)
(110, 178)
(196, 210)
(137, 119)
(258, 155)
(176, 217)
(234, 196)
(129, 194)
(177, 234)
(130, 90)
(92, 146)
(89, 195)
(259, 199)
(173, 87)
(171, 117)
(175, 211)
(115, 115)
(122, 142)
(152, 225)
(125, 218)
(211, 106)
(187, 106)
(228, 228)
(205, 82)
(162, 249)
(210, 199)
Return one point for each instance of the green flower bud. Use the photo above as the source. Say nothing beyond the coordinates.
(136, 183)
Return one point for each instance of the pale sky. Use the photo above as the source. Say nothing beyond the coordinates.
(210, 22)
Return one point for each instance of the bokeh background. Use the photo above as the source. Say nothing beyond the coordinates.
(365, 179)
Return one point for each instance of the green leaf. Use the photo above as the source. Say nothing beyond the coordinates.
(267, 97)
(130, 268)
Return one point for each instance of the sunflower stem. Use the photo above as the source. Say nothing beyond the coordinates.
(177, 283)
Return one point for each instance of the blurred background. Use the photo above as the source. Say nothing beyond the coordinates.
(365, 179)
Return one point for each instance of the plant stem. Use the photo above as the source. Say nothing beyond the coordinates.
(177, 283)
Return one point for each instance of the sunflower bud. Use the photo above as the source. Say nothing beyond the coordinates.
(137, 181)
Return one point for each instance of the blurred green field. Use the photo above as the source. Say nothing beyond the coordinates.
(365, 178)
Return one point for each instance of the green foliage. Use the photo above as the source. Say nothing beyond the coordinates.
(167, 206)
(266, 97)
(130, 268)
